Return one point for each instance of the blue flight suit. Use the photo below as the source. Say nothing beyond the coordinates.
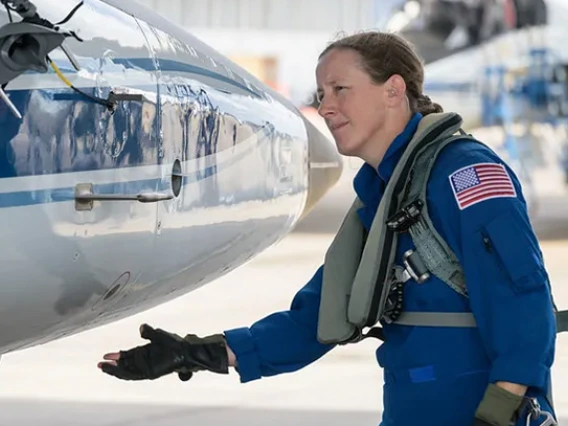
(437, 376)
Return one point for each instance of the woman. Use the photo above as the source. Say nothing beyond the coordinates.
(370, 91)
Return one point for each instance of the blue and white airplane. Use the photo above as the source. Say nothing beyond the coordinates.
(136, 164)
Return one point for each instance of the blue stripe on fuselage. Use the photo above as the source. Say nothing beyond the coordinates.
(148, 65)
(54, 195)
(170, 65)
(135, 187)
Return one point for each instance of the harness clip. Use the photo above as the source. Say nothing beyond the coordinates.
(415, 267)
(535, 412)
(406, 217)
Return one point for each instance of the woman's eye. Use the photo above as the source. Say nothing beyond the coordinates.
(336, 89)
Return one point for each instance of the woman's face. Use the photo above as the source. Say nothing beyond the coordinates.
(353, 106)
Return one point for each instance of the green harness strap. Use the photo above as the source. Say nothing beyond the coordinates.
(358, 269)
(435, 254)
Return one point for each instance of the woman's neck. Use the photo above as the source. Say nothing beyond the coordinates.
(380, 143)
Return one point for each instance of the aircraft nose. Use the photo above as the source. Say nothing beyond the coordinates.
(325, 166)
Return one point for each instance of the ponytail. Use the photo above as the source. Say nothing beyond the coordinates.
(425, 106)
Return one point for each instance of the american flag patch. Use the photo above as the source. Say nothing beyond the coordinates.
(479, 182)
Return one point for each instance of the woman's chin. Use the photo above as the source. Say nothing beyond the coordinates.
(346, 148)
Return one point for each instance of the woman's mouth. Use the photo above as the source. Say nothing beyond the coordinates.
(335, 127)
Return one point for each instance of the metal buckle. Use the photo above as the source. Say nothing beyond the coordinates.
(535, 410)
(401, 274)
(420, 275)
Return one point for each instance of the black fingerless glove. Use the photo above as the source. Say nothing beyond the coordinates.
(170, 353)
(497, 408)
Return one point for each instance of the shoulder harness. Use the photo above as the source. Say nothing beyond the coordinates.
(362, 285)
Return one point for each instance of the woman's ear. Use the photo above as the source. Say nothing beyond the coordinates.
(395, 88)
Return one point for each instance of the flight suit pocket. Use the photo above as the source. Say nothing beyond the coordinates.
(447, 401)
(509, 239)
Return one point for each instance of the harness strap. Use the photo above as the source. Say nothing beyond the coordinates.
(437, 319)
(425, 319)
(459, 319)
(561, 321)
(438, 257)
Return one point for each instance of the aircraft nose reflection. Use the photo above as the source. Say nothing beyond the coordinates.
(325, 166)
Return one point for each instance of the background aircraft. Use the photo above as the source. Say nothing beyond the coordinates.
(502, 66)
(136, 164)
(461, 41)
(440, 28)
(514, 84)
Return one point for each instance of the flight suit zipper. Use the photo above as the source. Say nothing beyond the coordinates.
(492, 252)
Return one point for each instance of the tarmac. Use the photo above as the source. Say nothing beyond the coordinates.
(59, 384)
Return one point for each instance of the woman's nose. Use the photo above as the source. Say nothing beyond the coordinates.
(327, 107)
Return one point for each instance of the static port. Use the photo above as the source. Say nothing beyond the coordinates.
(177, 178)
(111, 292)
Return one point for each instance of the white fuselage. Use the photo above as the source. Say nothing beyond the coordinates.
(233, 157)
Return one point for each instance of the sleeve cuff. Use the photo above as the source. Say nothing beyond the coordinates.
(522, 372)
(241, 342)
